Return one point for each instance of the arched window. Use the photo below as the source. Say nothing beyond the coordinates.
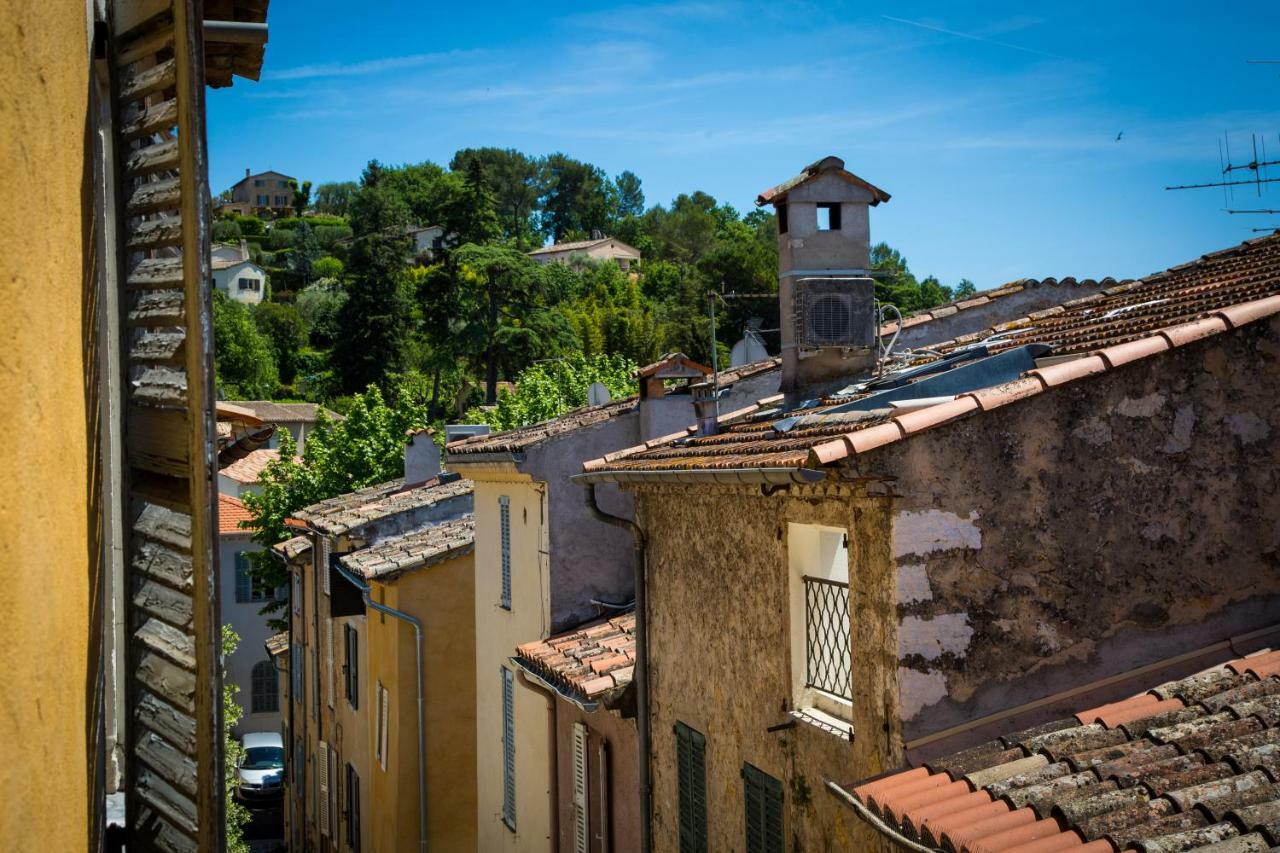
(266, 689)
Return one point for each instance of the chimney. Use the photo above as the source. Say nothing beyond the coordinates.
(704, 407)
(596, 234)
(246, 172)
(421, 456)
(824, 254)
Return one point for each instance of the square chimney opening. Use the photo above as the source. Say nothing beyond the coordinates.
(828, 216)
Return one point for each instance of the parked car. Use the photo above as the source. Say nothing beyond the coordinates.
(261, 767)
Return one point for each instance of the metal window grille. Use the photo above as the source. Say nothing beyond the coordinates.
(504, 515)
(265, 696)
(826, 617)
(581, 817)
(508, 750)
(691, 783)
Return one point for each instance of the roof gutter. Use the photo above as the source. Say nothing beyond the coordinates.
(416, 623)
(876, 823)
(733, 476)
(533, 675)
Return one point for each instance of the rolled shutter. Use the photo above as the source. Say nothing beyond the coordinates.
(581, 816)
(508, 749)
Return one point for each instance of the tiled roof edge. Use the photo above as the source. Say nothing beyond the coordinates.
(1041, 379)
(984, 297)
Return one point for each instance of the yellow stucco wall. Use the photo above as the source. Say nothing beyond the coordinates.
(498, 632)
(442, 597)
(48, 509)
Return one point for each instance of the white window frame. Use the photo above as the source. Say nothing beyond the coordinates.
(815, 551)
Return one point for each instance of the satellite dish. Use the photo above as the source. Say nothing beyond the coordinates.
(597, 394)
(747, 351)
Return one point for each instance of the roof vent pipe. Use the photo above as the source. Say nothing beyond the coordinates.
(704, 406)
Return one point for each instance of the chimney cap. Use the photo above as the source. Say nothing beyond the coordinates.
(829, 164)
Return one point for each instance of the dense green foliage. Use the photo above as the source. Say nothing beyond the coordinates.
(360, 305)
(237, 815)
(243, 356)
(550, 388)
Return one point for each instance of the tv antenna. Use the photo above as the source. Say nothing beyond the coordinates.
(1252, 172)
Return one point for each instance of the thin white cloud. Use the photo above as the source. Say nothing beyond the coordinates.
(971, 37)
(371, 66)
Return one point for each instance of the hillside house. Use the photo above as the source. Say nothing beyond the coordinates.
(598, 248)
(1050, 514)
(354, 745)
(237, 276)
(266, 193)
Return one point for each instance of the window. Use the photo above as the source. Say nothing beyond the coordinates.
(297, 591)
(328, 660)
(350, 669)
(266, 689)
(263, 200)
(282, 201)
(282, 184)
(437, 242)
(248, 588)
(504, 522)
(353, 809)
(581, 817)
(691, 784)
(829, 217)
(380, 744)
(782, 219)
(250, 284)
(821, 658)
(259, 183)
(295, 670)
(508, 749)
(762, 795)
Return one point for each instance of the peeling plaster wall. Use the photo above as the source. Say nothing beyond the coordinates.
(721, 660)
(1119, 520)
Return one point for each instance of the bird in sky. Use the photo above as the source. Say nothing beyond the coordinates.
(1118, 135)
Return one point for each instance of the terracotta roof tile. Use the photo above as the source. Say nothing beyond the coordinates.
(593, 661)
(284, 413)
(1209, 296)
(231, 514)
(392, 558)
(291, 548)
(278, 644)
(365, 506)
(1093, 786)
(248, 468)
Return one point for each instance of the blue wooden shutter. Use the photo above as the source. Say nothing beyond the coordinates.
(762, 795)
(691, 784)
(508, 749)
(244, 582)
(504, 514)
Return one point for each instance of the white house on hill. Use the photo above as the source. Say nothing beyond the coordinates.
(235, 275)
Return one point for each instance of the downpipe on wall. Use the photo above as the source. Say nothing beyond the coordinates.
(416, 623)
(642, 661)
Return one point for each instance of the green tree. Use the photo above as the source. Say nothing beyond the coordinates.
(514, 180)
(365, 448)
(327, 267)
(373, 322)
(236, 815)
(284, 328)
(335, 198)
(301, 196)
(242, 356)
(251, 226)
(500, 316)
(549, 389)
(964, 289)
(630, 196)
(577, 198)
(226, 231)
(306, 251)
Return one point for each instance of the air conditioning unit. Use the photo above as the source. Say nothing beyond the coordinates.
(836, 313)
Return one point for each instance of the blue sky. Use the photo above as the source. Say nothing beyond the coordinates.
(993, 128)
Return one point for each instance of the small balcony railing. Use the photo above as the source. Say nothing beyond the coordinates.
(826, 615)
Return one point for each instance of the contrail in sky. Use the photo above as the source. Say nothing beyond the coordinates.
(971, 37)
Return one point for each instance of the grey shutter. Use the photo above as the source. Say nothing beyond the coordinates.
(581, 817)
(353, 666)
(762, 795)
(508, 749)
(504, 516)
(691, 781)
(322, 786)
(244, 581)
(328, 660)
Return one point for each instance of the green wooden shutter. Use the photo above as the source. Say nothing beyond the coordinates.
(762, 796)
(244, 581)
(691, 777)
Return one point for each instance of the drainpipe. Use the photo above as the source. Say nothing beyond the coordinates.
(553, 758)
(641, 675)
(422, 725)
